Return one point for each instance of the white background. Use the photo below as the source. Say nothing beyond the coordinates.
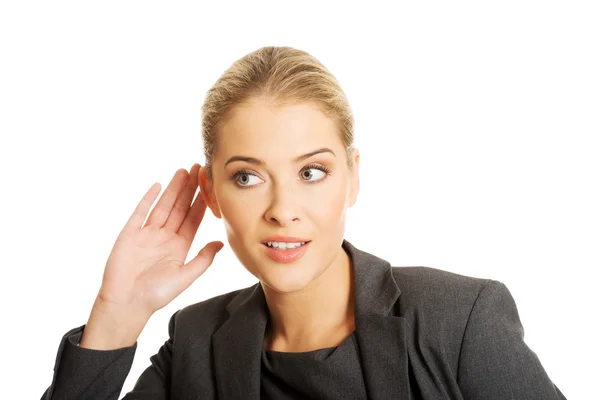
(478, 126)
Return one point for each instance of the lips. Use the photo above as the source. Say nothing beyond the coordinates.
(286, 255)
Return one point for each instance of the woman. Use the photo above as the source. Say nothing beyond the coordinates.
(326, 320)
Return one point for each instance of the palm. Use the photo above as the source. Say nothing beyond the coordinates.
(146, 266)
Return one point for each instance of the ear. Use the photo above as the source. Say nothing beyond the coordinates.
(354, 178)
(207, 192)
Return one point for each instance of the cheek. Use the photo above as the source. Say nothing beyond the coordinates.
(331, 206)
(237, 217)
(239, 224)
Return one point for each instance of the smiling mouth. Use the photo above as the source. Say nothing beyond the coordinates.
(281, 253)
(285, 245)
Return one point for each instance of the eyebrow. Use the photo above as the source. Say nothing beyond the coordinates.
(258, 161)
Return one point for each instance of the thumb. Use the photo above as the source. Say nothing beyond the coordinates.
(199, 264)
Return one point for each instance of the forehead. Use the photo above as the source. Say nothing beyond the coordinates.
(262, 128)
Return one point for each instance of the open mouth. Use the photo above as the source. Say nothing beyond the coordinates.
(286, 252)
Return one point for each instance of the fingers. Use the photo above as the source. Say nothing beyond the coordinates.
(199, 264)
(182, 204)
(141, 211)
(194, 217)
(163, 208)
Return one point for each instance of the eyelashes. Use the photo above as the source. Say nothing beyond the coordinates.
(234, 177)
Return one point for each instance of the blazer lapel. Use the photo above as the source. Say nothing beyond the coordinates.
(237, 346)
(381, 336)
(238, 343)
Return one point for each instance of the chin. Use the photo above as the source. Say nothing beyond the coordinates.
(283, 279)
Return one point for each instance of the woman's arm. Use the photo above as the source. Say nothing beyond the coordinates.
(495, 362)
(144, 272)
(81, 373)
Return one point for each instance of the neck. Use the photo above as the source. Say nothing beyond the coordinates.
(319, 316)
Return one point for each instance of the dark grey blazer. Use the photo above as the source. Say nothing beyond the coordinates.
(423, 333)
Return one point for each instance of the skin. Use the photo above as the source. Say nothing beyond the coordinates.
(310, 301)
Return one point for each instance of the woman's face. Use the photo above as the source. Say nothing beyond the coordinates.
(280, 189)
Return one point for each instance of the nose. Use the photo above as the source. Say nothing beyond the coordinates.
(282, 209)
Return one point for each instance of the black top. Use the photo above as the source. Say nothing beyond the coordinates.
(333, 373)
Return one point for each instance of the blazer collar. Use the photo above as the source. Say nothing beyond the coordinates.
(238, 343)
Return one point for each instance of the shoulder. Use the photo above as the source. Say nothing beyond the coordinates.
(440, 289)
(435, 283)
(437, 306)
(445, 299)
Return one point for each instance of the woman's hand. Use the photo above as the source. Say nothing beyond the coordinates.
(145, 270)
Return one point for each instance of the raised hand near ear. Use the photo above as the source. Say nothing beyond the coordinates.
(145, 270)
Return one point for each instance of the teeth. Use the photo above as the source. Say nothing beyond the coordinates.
(285, 245)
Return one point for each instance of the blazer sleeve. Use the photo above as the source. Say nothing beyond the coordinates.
(494, 362)
(81, 373)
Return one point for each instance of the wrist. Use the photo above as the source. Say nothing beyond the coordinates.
(112, 326)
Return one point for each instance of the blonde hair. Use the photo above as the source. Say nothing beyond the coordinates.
(279, 75)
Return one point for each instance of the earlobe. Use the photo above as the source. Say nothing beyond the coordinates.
(207, 192)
